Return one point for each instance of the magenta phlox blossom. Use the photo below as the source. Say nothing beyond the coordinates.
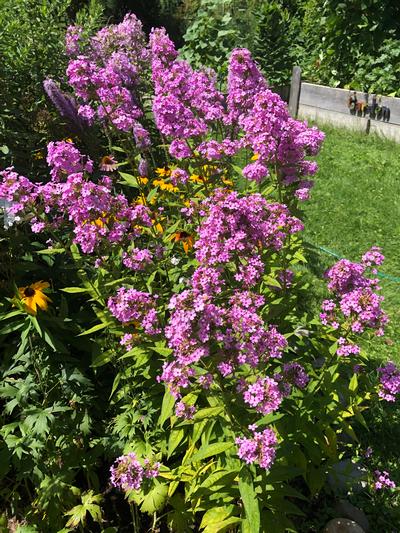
(354, 302)
(245, 81)
(373, 257)
(363, 307)
(176, 376)
(383, 481)
(137, 259)
(294, 374)
(264, 395)
(278, 139)
(184, 410)
(17, 189)
(127, 472)
(73, 40)
(346, 276)
(247, 334)
(107, 73)
(185, 101)
(64, 158)
(259, 449)
(389, 382)
(130, 305)
(240, 225)
(346, 348)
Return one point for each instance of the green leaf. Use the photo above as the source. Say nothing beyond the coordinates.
(175, 438)
(208, 412)
(51, 251)
(167, 407)
(155, 500)
(95, 328)
(219, 519)
(130, 180)
(353, 385)
(225, 525)
(250, 502)
(74, 290)
(210, 450)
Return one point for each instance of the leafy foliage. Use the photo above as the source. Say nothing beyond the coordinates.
(32, 48)
(85, 375)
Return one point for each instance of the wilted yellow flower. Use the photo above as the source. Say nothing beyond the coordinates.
(33, 297)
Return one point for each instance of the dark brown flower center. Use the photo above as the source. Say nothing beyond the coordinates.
(29, 292)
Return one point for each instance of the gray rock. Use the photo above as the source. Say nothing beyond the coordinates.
(342, 525)
(347, 476)
(346, 509)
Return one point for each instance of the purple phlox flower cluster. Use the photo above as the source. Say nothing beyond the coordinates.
(260, 448)
(246, 333)
(98, 215)
(137, 259)
(347, 348)
(346, 276)
(213, 150)
(130, 305)
(17, 189)
(178, 176)
(368, 452)
(264, 395)
(389, 382)
(354, 299)
(127, 472)
(373, 257)
(294, 374)
(277, 138)
(64, 158)
(232, 227)
(73, 40)
(184, 410)
(185, 101)
(180, 149)
(206, 380)
(245, 81)
(192, 324)
(127, 341)
(240, 226)
(107, 75)
(383, 481)
(363, 308)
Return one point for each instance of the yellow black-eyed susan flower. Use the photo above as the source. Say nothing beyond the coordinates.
(32, 297)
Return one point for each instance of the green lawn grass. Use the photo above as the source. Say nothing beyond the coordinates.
(356, 204)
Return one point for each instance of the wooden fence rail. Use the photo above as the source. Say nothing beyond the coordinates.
(331, 105)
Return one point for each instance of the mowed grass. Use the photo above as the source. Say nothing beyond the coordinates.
(356, 204)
